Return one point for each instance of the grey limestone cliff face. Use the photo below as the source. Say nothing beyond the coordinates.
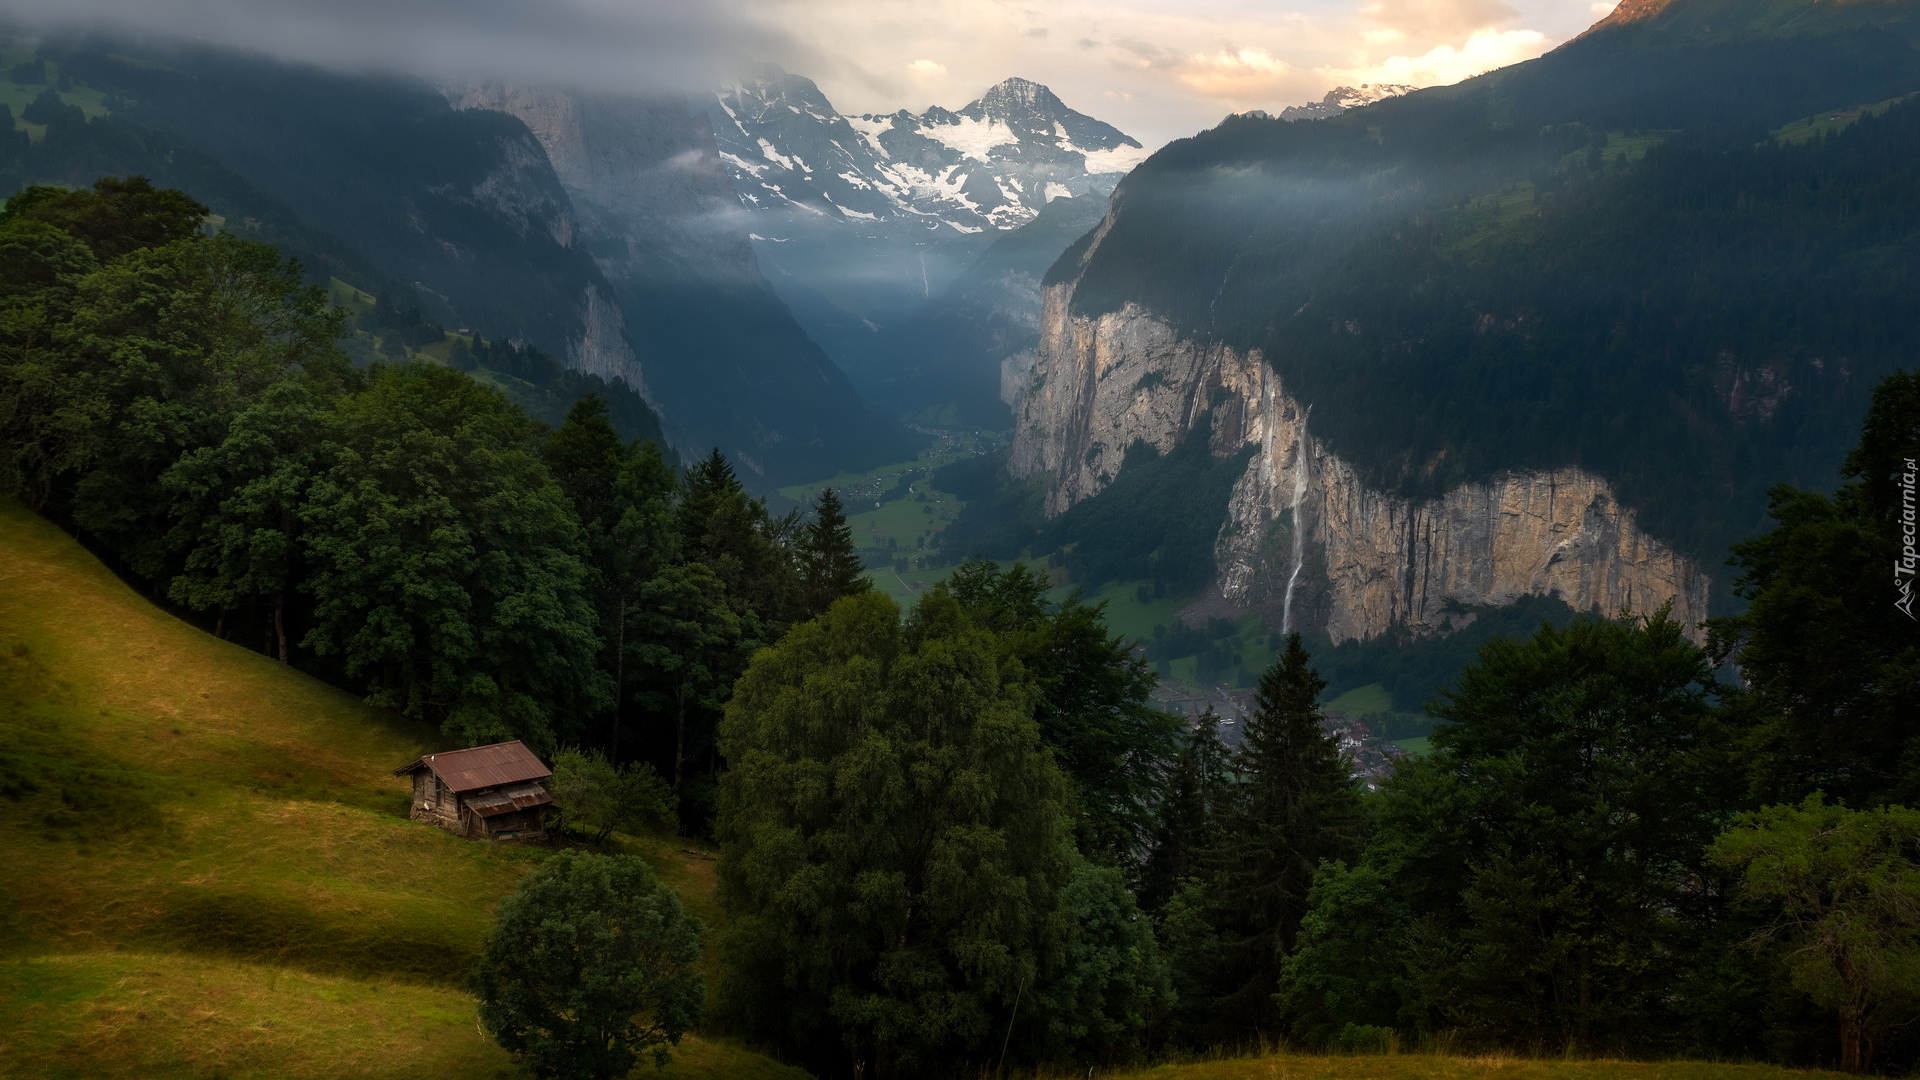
(1367, 560)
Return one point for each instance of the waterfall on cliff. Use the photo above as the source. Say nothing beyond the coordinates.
(1299, 532)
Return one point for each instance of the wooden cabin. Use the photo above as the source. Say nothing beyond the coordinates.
(483, 792)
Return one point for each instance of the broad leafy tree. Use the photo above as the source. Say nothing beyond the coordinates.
(623, 495)
(685, 647)
(1093, 705)
(897, 859)
(236, 508)
(1552, 847)
(1842, 891)
(597, 797)
(1833, 660)
(591, 964)
(448, 569)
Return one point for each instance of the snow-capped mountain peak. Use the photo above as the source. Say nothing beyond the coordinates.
(1341, 98)
(989, 165)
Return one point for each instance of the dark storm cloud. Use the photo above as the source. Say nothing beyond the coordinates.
(601, 44)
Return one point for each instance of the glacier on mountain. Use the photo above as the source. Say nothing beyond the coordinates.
(986, 167)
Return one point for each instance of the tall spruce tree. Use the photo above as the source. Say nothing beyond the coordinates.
(829, 567)
(1294, 805)
(1183, 822)
(623, 494)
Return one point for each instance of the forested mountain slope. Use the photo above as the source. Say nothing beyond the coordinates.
(1618, 259)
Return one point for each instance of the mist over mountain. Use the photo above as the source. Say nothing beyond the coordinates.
(600, 230)
(864, 221)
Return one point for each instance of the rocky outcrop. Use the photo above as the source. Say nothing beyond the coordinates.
(1365, 560)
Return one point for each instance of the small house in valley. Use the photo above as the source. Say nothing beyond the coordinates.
(483, 792)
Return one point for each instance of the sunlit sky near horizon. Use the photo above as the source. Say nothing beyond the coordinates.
(1157, 69)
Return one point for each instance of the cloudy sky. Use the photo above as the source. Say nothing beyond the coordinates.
(1157, 69)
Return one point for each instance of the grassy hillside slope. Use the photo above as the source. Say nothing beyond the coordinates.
(206, 870)
(1463, 1067)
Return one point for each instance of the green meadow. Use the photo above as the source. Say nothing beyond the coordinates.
(208, 871)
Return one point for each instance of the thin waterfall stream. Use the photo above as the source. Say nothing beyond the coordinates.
(1299, 532)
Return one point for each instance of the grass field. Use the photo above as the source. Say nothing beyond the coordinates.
(1830, 122)
(1460, 1067)
(207, 871)
(15, 96)
(1361, 700)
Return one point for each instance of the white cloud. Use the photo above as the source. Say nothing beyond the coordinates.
(1441, 65)
(1436, 20)
(1236, 75)
(1171, 66)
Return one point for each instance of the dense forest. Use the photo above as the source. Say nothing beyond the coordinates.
(957, 836)
(180, 399)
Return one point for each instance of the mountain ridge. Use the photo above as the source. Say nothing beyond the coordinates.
(989, 165)
(1596, 261)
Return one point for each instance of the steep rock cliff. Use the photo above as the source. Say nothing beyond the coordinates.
(1304, 540)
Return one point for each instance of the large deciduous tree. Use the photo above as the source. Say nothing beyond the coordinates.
(1092, 707)
(1551, 848)
(897, 858)
(449, 571)
(590, 965)
(1842, 889)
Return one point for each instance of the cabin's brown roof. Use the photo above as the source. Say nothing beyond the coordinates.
(481, 766)
(509, 799)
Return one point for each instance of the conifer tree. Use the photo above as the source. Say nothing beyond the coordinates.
(1195, 793)
(829, 567)
(1294, 805)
